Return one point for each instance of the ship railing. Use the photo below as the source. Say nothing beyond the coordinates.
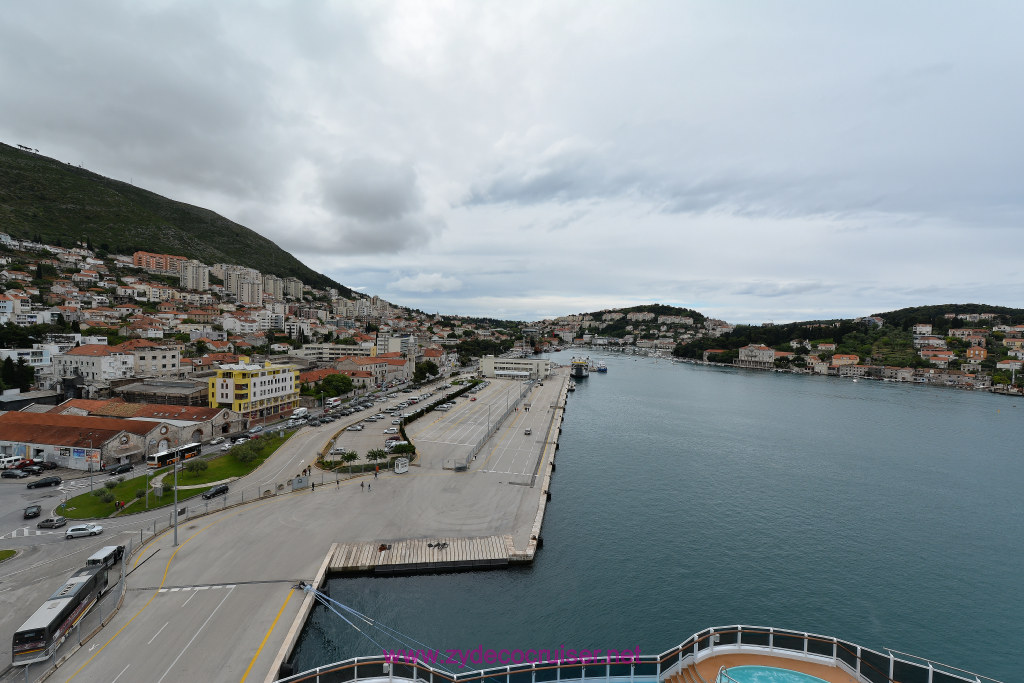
(861, 663)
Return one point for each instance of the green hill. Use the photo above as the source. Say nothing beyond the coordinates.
(49, 201)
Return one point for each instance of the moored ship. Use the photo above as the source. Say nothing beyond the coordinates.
(727, 654)
(580, 367)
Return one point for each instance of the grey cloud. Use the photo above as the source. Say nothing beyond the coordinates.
(777, 289)
(372, 190)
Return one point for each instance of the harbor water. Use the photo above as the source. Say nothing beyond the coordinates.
(686, 496)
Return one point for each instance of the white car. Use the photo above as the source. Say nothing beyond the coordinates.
(355, 428)
(83, 530)
(256, 430)
(218, 440)
(396, 422)
(226, 447)
(391, 430)
(241, 440)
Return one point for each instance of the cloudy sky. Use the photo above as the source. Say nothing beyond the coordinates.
(755, 161)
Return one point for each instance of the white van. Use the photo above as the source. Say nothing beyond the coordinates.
(299, 412)
(9, 461)
(107, 556)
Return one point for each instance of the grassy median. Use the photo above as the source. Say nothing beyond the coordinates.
(218, 468)
(7, 554)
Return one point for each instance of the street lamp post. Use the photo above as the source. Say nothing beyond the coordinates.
(145, 461)
(89, 460)
(177, 466)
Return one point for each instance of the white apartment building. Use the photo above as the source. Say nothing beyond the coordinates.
(94, 362)
(194, 275)
(756, 356)
(274, 286)
(328, 353)
(515, 368)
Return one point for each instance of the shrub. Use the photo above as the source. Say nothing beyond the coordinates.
(99, 493)
(106, 496)
(196, 466)
(110, 484)
(139, 493)
(246, 453)
(404, 448)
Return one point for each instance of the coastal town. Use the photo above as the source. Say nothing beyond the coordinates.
(112, 331)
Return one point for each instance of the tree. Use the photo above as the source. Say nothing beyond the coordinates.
(349, 457)
(336, 385)
(427, 368)
(246, 453)
(376, 454)
(7, 373)
(196, 466)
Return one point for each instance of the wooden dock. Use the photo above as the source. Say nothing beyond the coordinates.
(422, 555)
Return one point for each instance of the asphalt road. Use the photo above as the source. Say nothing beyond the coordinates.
(217, 607)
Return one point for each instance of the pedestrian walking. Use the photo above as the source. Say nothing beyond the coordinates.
(369, 487)
(314, 486)
(362, 485)
(375, 474)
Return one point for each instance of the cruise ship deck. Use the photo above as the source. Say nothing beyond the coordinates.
(729, 654)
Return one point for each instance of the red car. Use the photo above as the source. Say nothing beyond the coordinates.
(23, 464)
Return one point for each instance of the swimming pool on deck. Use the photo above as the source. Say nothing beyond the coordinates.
(764, 674)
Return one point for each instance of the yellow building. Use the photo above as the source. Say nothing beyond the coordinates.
(255, 391)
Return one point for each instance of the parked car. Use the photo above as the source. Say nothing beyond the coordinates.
(473, 398)
(355, 428)
(32, 469)
(80, 530)
(241, 440)
(256, 430)
(226, 447)
(52, 523)
(45, 481)
(122, 469)
(391, 430)
(22, 464)
(218, 490)
(396, 421)
(14, 474)
(33, 511)
(218, 440)
(46, 465)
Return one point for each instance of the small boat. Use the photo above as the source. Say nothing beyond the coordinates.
(572, 385)
(601, 367)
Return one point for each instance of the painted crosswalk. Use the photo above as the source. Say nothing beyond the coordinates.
(184, 589)
(28, 531)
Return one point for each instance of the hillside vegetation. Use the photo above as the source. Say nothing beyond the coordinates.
(55, 203)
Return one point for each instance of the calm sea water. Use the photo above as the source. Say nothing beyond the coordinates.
(686, 497)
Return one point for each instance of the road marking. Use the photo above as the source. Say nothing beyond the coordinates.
(171, 667)
(154, 637)
(269, 631)
(163, 579)
(119, 675)
(194, 594)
